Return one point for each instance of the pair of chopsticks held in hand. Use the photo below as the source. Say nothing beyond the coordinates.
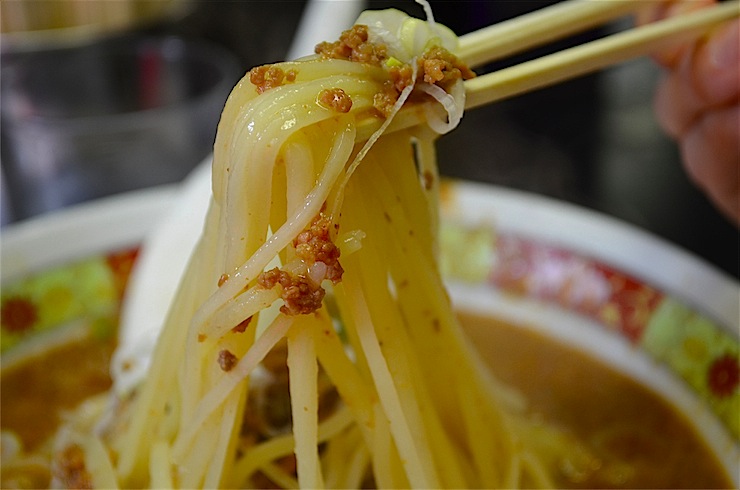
(570, 17)
(556, 22)
(706, 146)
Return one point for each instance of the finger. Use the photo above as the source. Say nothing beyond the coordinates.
(711, 152)
(677, 105)
(670, 8)
(715, 71)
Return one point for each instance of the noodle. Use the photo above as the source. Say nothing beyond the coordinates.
(383, 387)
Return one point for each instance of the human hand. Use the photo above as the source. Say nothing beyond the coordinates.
(698, 103)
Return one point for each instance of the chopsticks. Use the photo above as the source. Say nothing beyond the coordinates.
(551, 23)
(595, 55)
(540, 27)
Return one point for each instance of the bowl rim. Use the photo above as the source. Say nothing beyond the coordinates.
(626, 247)
(76, 232)
(128, 218)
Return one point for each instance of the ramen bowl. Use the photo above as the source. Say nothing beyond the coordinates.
(633, 303)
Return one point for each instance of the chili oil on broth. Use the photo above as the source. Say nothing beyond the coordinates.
(635, 437)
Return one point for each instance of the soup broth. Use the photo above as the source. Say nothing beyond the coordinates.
(637, 438)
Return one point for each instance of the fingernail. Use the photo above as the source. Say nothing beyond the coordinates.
(724, 49)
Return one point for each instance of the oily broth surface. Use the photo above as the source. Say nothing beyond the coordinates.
(35, 393)
(621, 421)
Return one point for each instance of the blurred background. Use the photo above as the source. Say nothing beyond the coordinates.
(103, 97)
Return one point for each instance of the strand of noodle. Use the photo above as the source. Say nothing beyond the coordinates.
(265, 126)
(272, 449)
(98, 463)
(294, 176)
(278, 207)
(282, 237)
(152, 396)
(390, 333)
(242, 236)
(389, 397)
(316, 66)
(218, 393)
(414, 269)
(159, 465)
(244, 106)
(376, 192)
(230, 419)
(404, 193)
(246, 222)
(428, 279)
(279, 476)
(340, 458)
(243, 306)
(357, 467)
(403, 96)
(346, 460)
(383, 452)
(193, 463)
(387, 470)
(426, 159)
(348, 321)
(230, 415)
(380, 283)
(283, 111)
(360, 395)
(242, 317)
(334, 164)
(239, 134)
(356, 392)
(397, 346)
(396, 268)
(299, 172)
(536, 470)
(512, 478)
(482, 450)
(207, 256)
(333, 459)
(303, 372)
(459, 367)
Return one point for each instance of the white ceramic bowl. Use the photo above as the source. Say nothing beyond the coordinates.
(631, 299)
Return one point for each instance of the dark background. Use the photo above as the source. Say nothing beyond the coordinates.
(592, 141)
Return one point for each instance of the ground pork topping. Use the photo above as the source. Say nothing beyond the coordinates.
(270, 76)
(315, 245)
(335, 99)
(439, 66)
(70, 468)
(227, 360)
(435, 66)
(301, 293)
(353, 45)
